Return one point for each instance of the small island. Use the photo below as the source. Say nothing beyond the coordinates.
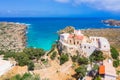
(112, 22)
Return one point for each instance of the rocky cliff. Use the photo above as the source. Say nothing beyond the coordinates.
(12, 36)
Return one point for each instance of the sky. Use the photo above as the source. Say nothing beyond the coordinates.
(59, 8)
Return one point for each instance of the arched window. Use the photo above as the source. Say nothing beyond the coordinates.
(74, 43)
(70, 41)
(89, 47)
(77, 42)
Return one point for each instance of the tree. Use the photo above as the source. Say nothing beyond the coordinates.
(83, 60)
(53, 55)
(116, 63)
(22, 58)
(75, 58)
(114, 53)
(95, 67)
(98, 78)
(2, 52)
(96, 56)
(26, 76)
(16, 77)
(81, 71)
(63, 58)
(34, 53)
(30, 65)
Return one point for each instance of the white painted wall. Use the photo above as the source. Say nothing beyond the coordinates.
(4, 66)
(88, 49)
(108, 77)
(64, 36)
(104, 43)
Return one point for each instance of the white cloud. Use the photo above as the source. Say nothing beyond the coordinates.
(109, 5)
(63, 1)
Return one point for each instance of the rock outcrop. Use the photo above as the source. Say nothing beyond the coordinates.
(68, 29)
(112, 22)
(12, 36)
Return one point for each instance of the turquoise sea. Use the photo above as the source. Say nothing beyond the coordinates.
(41, 32)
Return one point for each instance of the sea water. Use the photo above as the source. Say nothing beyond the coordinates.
(42, 32)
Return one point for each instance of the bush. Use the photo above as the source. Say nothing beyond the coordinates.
(31, 65)
(116, 63)
(22, 59)
(114, 53)
(74, 58)
(96, 56)
(2, 52)
(81, 71)
(98, 78)
(83, 60)
(26, 76)
(53, 55)
(95, 67)
(63, 58)
(34, 53)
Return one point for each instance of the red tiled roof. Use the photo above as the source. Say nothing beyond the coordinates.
(79, 37)
(102, 69)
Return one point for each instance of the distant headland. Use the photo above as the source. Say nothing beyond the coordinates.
(112, 22)
(12, 36)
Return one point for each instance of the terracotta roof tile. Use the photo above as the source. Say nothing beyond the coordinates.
(102, 69)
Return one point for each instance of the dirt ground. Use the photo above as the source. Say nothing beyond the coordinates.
(57, 72)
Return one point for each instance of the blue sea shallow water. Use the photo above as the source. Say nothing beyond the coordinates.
(41, 32)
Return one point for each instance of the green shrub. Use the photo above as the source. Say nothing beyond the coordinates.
(114, 53)
(22, 59)
(96, 56)
(63, 58)
(74, 58)
(53, 55)
(98, 78)
(30, 65)
(116, 63)
(95, 67)
(81, 71)
(83, 60)
(26, 76)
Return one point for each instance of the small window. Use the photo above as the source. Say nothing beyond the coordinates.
(74, 43)
(84, 46)
(89, 47)
(70, 41)
(77, 42)
(96, 39)
(105, 46)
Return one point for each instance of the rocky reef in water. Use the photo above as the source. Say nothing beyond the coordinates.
(112, 22)
(12, 36)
